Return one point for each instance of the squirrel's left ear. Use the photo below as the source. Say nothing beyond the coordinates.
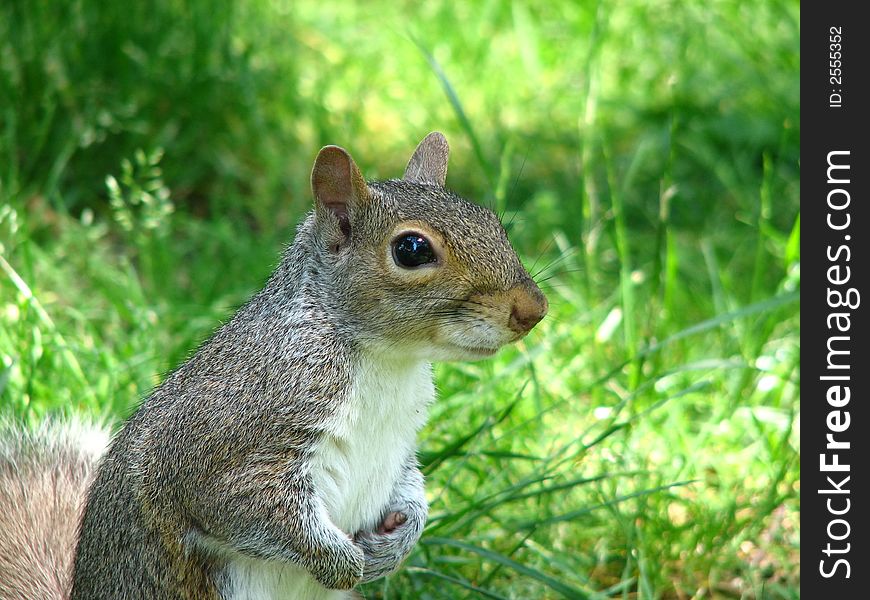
(429, 162)
(338, 185)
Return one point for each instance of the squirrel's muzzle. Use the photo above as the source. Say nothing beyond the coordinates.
(528, 307)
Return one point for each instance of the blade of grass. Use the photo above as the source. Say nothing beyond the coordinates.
(554, 584)
(464, 121)
(29, 297)
(454, 581)
(570, 516)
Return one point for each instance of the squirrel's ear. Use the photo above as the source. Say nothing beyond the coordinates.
(429, 162)
(337, 184)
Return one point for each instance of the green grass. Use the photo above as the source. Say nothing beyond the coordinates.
(642, 442)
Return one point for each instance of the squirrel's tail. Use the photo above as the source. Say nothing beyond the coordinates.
(44, 477)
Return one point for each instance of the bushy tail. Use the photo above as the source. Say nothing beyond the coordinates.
(44, 476)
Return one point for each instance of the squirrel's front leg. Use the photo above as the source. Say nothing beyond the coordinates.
(399, 529)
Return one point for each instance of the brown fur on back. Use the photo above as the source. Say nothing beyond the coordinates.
(44, 476)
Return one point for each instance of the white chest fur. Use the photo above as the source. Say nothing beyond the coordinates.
(355, 470)
(363, 454)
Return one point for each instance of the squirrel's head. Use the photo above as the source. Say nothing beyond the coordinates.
(413, 268)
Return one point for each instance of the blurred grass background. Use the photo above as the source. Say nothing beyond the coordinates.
(641, 443)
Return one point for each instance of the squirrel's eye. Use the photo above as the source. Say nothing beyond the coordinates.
(413, 250)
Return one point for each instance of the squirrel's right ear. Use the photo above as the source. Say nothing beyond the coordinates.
(337, 184)
(429, 162)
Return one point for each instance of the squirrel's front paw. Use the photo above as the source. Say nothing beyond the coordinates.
(394, 539)
(343, 573)
(392, 521)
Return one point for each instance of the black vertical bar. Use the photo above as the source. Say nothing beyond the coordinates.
(835, 346)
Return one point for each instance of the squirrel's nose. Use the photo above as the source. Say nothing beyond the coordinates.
(528, 307)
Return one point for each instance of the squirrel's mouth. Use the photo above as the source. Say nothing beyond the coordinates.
(478, 351)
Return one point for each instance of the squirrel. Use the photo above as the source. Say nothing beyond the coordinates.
(279, 461)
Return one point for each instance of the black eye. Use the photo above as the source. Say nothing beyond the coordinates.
(411, 250)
